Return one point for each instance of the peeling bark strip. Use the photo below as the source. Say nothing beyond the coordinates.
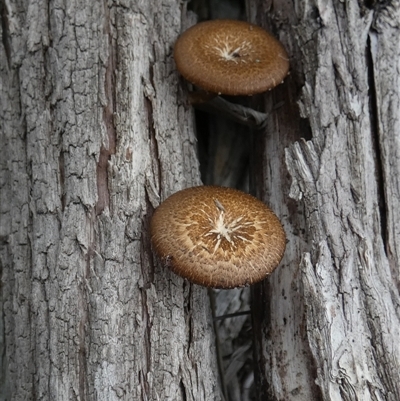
(84, 316)
(341, 341)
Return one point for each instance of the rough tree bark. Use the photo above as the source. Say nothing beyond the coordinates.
(94, 134)
(331, 325)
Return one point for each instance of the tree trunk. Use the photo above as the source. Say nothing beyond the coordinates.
(331, 168)
(95, 132)
(94, 135)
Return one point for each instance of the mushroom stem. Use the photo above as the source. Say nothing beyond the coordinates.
(222, 317)
(236, 112)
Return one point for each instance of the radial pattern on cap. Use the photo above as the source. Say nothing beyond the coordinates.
(217, 237)
(231, 57)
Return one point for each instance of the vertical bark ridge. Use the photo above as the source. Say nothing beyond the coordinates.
(384, 53)
(109, 148)
(88, 313)
(5, 31)
(347, 268)
(349, 299)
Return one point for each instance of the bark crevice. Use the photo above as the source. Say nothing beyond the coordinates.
(379, 164)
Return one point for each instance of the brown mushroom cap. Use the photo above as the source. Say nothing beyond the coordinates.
(217, 237)
(231, 57)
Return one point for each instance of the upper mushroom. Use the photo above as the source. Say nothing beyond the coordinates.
(217, 237)
(231, 57)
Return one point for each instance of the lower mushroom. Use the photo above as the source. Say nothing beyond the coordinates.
(217, 237)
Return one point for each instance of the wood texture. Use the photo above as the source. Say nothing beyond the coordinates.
(331, 326)
(95, 133)
(385, 50)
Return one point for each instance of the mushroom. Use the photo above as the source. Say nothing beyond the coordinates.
(231, 58)
(217, 237)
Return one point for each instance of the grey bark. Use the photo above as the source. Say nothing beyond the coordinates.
(331, 170)
(95, 132)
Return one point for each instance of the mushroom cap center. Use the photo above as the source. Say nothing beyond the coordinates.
(227, 50)
(227, 228)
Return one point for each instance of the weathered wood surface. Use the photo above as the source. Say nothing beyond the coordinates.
(385, 58)
(331, 325)
(95, 133)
